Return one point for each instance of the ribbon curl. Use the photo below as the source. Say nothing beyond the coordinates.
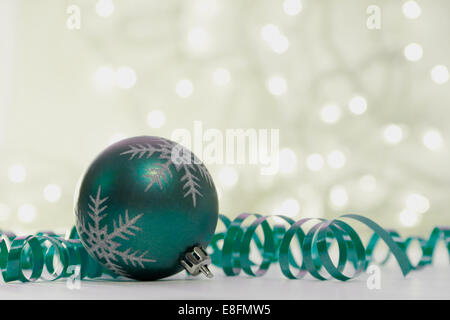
(49, 256)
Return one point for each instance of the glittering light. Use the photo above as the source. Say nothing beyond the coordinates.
(228, 176)
(116, 137)
(417, 202)
(292, 7)
(336, 159)
(277, 85)
(393, 134)
(125, 77)
(198, 39)
(432, 139)
(413, 52)
(156, 119)
(314, 162)
(330, 113)
(288, 160)
(411, 9)
(289, 207)
(5, 212)
(439, 74)
(52, 192)
(368, 183)
(26, 213)
(280, 44)
(338, 196)
(357, 105)
(17, 173)
(270, 32)
(409, 218)
(221, 76)
(104, 8)
(104, 78)
(184, 88)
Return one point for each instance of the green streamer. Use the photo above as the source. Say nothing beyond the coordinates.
(49, 256)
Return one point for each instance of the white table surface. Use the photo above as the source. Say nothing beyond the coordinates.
(430, 283)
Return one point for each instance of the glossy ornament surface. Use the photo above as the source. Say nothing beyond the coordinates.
(142, 204)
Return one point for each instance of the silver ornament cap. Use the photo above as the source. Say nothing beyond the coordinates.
(197, 261)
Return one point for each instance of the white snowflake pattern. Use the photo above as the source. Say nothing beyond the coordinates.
(100, 243)
(192, 167)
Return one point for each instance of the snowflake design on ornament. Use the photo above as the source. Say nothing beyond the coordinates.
(172, 155)
(100, 243)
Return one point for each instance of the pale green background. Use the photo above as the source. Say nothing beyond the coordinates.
(53, 119)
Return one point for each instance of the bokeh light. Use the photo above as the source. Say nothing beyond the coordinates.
(292, 7)
(393, 134)
(411, 9)
(314, 162)
(357, 105)
(52, 192)
(156, 119)
(413, 52)
(439, 74)
(26, 213)
(184, 88)
(17, 173)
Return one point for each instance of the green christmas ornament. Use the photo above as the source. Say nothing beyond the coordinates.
(147, 207)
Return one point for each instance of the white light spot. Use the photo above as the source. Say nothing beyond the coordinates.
(314, 162)
(280, 44)
(17, 173)
(338, 197)
(289, 207)
(104, 8)
(277, 85)
(104, 78)
(198, 39)
(413, 52)
(288, 160)
(357, 105)
(116, 137)
(184, 88)
(368, 183)
(156, 119)
(228, 176)
(292, 7)
(52, 192)
(330, 113)
(125, 77)
(5, 212)
(439, 74)
(409, 218)
(336, 159)
(393, 134)
(411, 9)
(221, 76)
(270, 32)
(26, 213)
(432, 139)
(417, 202)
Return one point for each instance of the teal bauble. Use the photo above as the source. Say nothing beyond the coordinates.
(142, 204)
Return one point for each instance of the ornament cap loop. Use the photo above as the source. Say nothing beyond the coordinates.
(197, 261)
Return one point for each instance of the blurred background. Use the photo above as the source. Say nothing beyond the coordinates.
(359, 90)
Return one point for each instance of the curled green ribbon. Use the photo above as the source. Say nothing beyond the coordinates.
(50, 256)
